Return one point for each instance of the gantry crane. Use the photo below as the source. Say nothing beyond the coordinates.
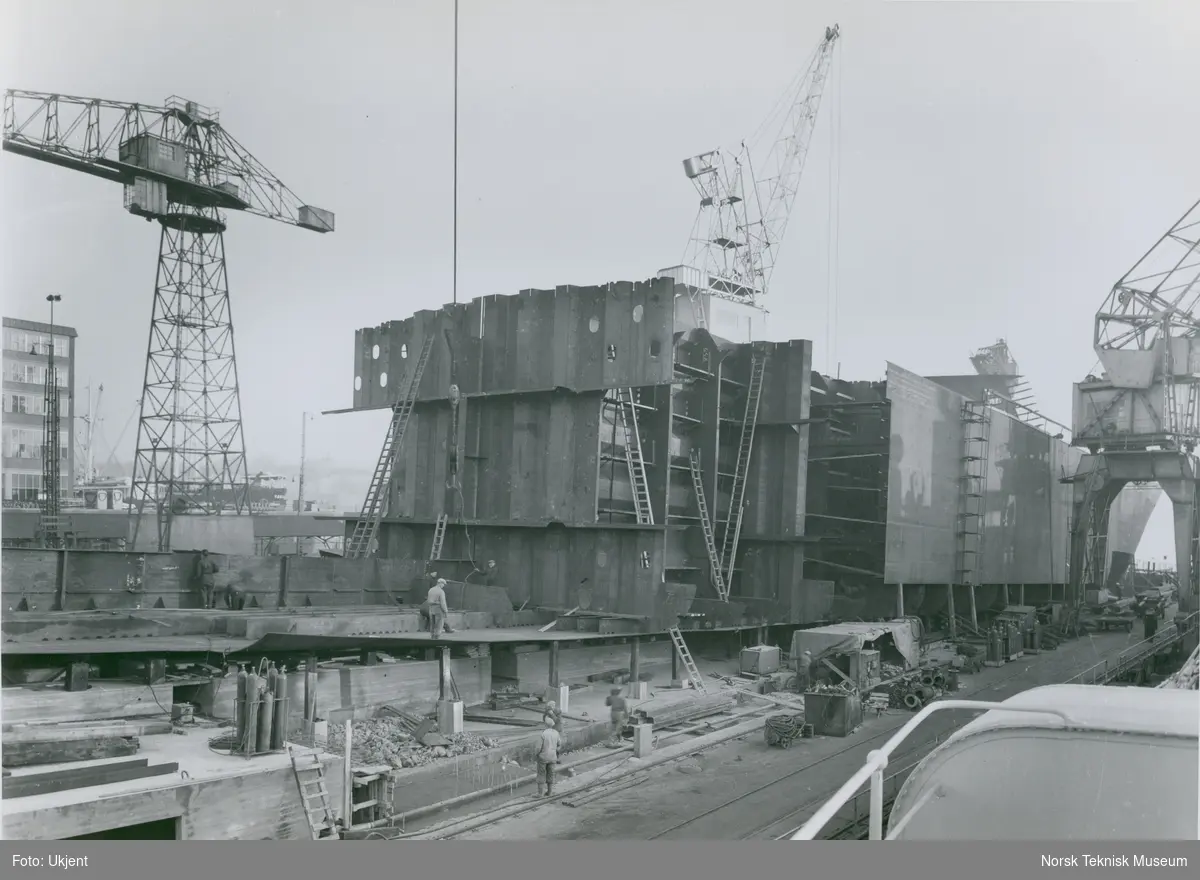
(1139, 419)
(178, 166)
(743, 212)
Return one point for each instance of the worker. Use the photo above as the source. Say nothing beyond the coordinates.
(1149, 620)
(206, 574)
(235, 600)
(804, 672)
(618, 713)
(438, 609)
(547, 759)
(552, 715)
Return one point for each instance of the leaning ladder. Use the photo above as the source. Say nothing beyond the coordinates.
(976, 421)
(737, 495)
(367, 526)
(688, 663)
(439, 538)
(627, 412)
(710, 543)
(314, 796)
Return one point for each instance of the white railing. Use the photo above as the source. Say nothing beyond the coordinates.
(877, 762)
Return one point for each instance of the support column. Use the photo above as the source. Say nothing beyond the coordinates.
(557, 692)
(676, 681)
(449, 711)
(1020, 594)
(1007, 601)
(899, 600)
(974, 610)
(637, 688)
(950, 615)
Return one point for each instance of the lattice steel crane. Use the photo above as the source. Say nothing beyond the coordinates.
(180, 167)
(743, 214)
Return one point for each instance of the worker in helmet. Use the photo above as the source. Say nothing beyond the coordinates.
(553, 715)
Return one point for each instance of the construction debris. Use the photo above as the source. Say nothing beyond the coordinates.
(389, 740)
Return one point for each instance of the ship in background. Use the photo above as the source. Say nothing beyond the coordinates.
(1133, 507)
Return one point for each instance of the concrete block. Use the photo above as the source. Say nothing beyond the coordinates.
(640, 690)
(449, 717)
(643, 740)
(561, 696)
(680, 683)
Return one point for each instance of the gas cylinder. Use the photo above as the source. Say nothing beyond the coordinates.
(240, 705)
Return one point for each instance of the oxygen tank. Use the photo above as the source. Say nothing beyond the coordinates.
(240, 705)
(279, 727)
(250, 735)
(266, 716)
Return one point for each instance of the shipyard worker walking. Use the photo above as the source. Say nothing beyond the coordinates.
(438, 609)
(206, 574)
(547, 758)
(619, 714)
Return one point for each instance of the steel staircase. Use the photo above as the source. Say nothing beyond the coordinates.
(710, 542)
(737, 495)
(367, 527)
(688, 663)
(977, 421)
(627, 413)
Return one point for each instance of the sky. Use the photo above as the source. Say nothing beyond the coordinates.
(979, 170)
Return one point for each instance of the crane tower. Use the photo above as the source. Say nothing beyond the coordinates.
(179, 167)
(1140, 419)
(743, 212)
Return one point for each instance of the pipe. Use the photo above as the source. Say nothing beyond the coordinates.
(347, 779)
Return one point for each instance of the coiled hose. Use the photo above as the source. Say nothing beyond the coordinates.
(783, 730)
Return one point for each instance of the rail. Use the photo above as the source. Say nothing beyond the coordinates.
(1112, 668)
(877, 762)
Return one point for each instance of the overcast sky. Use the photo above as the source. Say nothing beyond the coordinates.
(990, 170)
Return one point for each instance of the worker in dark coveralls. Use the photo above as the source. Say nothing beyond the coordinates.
(1149, 620)
(547, 759)
(618, 714)
(804, 672)
(206, 574)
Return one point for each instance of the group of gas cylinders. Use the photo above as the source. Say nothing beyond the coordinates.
(262, 705)
(1006, 639)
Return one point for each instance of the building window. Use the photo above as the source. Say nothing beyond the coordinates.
(36, 343)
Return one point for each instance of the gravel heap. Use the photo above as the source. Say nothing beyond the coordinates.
(386, 741)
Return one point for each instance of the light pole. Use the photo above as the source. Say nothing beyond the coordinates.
(304, 420)
(51, 471)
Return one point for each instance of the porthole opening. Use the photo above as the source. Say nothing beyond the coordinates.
(594, 324)
(612, 352)
(358, 383)
(655, 348)
(383, 380)
(637, 314)
(375, 352)
(404, 350)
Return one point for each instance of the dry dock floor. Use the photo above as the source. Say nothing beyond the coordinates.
(726, 793)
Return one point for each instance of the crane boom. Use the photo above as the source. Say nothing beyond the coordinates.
(741, 223)
(179, 151)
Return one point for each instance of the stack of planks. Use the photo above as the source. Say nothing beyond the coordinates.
(31, 745)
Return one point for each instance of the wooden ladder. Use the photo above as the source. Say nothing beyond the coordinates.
(688, 663)
(310, 779)
(710, 542)
(737, 494)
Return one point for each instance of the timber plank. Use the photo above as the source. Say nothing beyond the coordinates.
(33, 784)
(31, 754)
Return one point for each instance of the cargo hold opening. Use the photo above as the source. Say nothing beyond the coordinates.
(159, 829)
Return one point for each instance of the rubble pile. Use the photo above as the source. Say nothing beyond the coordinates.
(388, 740)
(1187, 678)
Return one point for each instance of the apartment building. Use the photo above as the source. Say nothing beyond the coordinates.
(26, 362)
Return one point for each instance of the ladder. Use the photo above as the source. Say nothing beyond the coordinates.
(367, 527)
(710, 543)
(737, 495)
(439, 538)
(688, 663)
(976, 420)
(314, 796)
(627, 412)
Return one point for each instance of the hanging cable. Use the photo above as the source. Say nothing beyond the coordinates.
(454, 281)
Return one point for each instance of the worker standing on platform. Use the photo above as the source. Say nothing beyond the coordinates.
(804, 672)
(438, 609)
(618, 713)
(206, 574)
(547, 759)
(553, 716)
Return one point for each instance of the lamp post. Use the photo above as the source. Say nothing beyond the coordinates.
(304, 420)
(51, 473)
